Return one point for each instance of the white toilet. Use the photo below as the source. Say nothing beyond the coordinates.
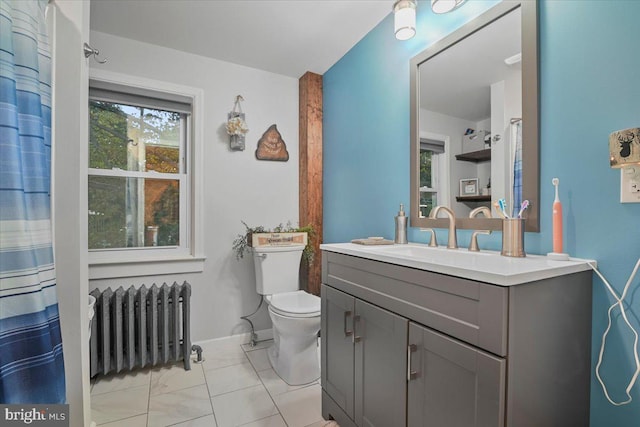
(295, 314)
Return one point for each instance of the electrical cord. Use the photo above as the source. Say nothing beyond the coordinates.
(619, 302)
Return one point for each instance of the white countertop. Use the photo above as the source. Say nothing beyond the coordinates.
(483, 266)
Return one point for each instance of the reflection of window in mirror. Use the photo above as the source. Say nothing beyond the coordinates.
(432, 173)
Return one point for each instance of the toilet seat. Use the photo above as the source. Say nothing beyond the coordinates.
(294, 304)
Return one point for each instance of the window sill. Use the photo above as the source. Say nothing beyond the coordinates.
(113, 269)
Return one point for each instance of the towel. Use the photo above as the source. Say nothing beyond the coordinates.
(372, 241)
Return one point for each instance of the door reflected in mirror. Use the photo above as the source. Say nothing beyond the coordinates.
(474, 109)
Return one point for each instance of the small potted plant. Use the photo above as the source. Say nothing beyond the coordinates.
(281, 234)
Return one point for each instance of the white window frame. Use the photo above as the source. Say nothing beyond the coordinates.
(441, 172)
(188, 257)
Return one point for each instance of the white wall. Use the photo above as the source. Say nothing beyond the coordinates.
(484, 124)
(70, 131)
(500, 183)
(484, 168)
(236, 185)
(513, 94)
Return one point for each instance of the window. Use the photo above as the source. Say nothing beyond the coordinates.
(140, 198)
(430, 154)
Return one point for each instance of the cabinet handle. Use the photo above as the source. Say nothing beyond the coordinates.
(355, 338)
(411, 375)
(347, 332)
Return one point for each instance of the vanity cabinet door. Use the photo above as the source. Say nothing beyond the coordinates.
(453, 384)
(380, 339)
(338, 310)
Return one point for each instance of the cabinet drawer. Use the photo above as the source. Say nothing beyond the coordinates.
(471, 311)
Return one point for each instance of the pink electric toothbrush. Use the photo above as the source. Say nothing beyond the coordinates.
(557, 253)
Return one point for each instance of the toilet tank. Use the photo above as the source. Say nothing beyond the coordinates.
(277, 268)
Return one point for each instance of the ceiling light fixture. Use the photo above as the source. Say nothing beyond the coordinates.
(444, 6)
(404, 19)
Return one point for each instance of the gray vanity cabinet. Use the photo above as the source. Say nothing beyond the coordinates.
(367, 348)
(337, 340)
(451, 384)
(381, 357)
(403, 346)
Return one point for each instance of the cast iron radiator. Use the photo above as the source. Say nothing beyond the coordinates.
(141, 327)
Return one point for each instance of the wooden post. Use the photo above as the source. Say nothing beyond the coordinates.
(310, 170)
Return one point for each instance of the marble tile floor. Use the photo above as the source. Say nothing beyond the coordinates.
(235, 386)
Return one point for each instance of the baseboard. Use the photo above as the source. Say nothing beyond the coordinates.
(265, 334)
(244, 338)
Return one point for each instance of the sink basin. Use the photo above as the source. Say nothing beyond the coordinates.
(460, 257)
(429, 252)
(485, 266)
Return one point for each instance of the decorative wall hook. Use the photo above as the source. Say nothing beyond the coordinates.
(237, 105)
(89, 51)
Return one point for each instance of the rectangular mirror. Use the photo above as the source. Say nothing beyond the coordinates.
(474, 120)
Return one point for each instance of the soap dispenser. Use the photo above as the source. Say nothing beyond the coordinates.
(401, 226)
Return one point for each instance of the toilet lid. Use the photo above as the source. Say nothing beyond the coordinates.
(298, 302)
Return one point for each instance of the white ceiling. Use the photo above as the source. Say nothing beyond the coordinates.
(457, 81)
(286, 37)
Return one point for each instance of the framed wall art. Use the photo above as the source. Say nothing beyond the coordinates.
(469, 187)
(271, 146)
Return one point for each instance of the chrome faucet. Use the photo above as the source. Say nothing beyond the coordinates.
(433, 243)
(452, 243)
(473, 244)
(482, 209)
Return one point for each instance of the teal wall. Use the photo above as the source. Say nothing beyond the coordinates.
(590, 86)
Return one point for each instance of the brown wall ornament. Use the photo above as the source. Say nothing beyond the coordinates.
(271, 146)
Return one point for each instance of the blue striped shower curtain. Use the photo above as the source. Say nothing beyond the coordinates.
(517, 169)
(31, 364)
